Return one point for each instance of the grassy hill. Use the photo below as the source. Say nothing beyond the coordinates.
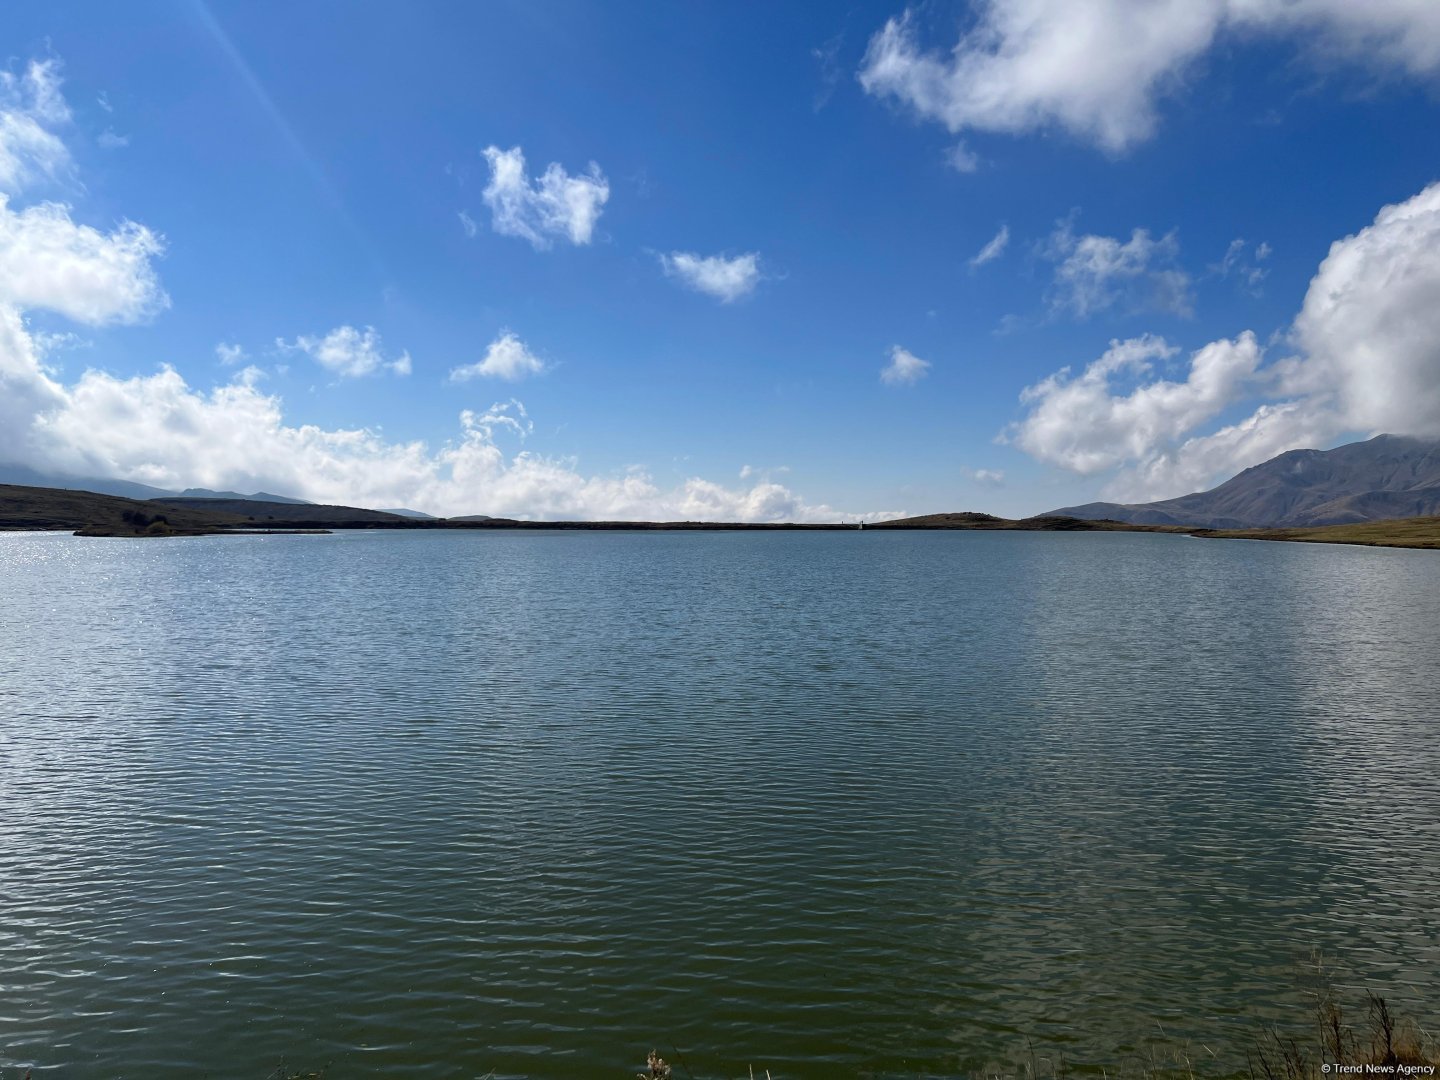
(58, 508)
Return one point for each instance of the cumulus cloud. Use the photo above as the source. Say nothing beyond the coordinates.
(904, 368)
(714, 275)
(31, 105)
(1082, 424)
(1370, 323)
(1093, 273)
(48, 261)
(507, 358)
(109, 139)
(1201, 461)
(1367, 359)
(993, 250)
(555, 204)
(158, 429)
(1097, 68)
(348, 352)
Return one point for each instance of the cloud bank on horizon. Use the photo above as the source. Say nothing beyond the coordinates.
(1146, 419)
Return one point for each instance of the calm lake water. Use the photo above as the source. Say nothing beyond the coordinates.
(835, 805)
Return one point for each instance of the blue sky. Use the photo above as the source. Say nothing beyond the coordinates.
(753, 209)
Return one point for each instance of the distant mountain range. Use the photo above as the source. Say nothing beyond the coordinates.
(126, 489)
(1389, 476)
(259, 496)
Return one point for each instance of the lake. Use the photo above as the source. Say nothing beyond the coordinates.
(879, 804)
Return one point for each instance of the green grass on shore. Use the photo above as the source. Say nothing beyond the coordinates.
(1420, 532)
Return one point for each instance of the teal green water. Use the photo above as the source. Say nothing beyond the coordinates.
(835, 805)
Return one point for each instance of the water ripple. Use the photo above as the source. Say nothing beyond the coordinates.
(838, 804)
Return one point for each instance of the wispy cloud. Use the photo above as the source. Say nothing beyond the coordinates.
(985, 477)
(31, 106)
(904, 368)
(1243, 265)
(725, 279)
(1093, 273)
(992, 250)
(962, 159)
(828, 57)
(554, 205)
(229, 354)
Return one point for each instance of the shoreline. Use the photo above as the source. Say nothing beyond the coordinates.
(93, 515)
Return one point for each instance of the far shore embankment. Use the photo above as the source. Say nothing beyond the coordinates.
(88, 514)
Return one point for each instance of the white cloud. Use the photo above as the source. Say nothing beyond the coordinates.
(1097, 272)
(348, 352)
(1370, 323)
(47, 261)
(904, 368)
(467, 223)
(1368, 336)
(26, 388)
(1199, 462)
(994, 249)
(110, 140)
(229, 354)
(1096, 68)
(157, 429)
(725, 279)
(558, 205)
(1081, 424)
(962, 159)
(507, 358)
(30, 106)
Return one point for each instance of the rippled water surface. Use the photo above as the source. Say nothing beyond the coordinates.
(839, 804)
